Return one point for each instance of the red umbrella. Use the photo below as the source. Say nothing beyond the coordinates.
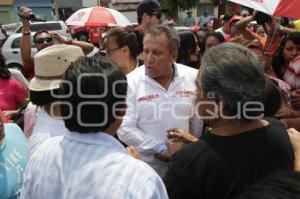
(281, 8)
(97, 16)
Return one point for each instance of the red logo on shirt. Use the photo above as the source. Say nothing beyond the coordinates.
(148, 97)
(185, 93)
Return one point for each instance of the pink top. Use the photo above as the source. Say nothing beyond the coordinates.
(12, 94)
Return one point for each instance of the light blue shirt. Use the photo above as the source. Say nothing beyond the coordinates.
(92, 166)
(13, 159)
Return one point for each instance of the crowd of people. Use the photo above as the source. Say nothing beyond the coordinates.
(209, 112)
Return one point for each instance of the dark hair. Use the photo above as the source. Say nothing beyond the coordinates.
(42, 98)
(227, 18)
(4, 72)
(233, 73)
(38, 33)
(217, 35)
(278, 59)
(101, 82)
(279, 185)
(156, 30)
(125, 37)
(272, 98)
(187, 46)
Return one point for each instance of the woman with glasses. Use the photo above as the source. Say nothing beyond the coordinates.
(121, 46)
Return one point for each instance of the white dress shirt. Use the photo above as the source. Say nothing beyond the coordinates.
(89, 166)
(152, 110)
(44, 128)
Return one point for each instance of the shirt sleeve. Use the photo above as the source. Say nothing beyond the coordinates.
(196, 124)
(131, 135)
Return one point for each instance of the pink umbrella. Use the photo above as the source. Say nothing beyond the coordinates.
(97, 16)
(281, 8)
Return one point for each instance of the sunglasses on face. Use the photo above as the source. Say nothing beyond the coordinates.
(42, 40)
(157, 15)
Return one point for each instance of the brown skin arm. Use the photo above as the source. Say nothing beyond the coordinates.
(25, 41)
(291, 123)
(241, 27)
(295, 140)
(85, 46)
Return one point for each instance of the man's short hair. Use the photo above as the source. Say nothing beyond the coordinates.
(38, 33)
(95, 91)
(156, 30)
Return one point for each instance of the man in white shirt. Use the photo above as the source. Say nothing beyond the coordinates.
(160, 97)
(88, 162)
(225, 29)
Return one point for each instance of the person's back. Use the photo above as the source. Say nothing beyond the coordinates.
(242, 145)
(87, 161)
(230, 164)
(97, 166)
(13, 159)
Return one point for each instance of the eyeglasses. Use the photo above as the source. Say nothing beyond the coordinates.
(42, 40)
(157, 15)
(110, 51)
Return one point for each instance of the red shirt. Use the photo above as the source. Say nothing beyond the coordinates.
(12, 94)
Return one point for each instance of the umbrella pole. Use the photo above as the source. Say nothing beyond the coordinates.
(274, 33)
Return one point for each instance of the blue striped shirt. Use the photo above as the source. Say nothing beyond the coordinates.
(89, 166)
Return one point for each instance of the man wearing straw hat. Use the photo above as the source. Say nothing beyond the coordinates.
(50, 65)
(88, 162)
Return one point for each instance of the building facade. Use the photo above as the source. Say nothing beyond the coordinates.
(67, 7)
(40, 7)
(7, 14)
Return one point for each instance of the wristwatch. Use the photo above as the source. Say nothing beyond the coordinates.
(26, 33)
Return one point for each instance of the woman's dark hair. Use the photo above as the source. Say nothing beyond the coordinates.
(4, 72)
(38, 33)
(42, 98)
(98, 91)
(278, 59)
(125, 37)
(217, 35)
(187, 47)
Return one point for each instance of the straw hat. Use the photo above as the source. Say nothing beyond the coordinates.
(50, 64)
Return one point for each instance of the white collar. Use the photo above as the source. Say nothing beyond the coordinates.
(99, 138)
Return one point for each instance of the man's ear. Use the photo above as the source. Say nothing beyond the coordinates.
(145, 17)
(174, 55)
(120, 111)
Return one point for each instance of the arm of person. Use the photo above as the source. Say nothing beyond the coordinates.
(179, 135)
(85, 46)
(241, 27)
(287, 30)
(130, 134)
(295, 140)
(292, 123)
(25, 41)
